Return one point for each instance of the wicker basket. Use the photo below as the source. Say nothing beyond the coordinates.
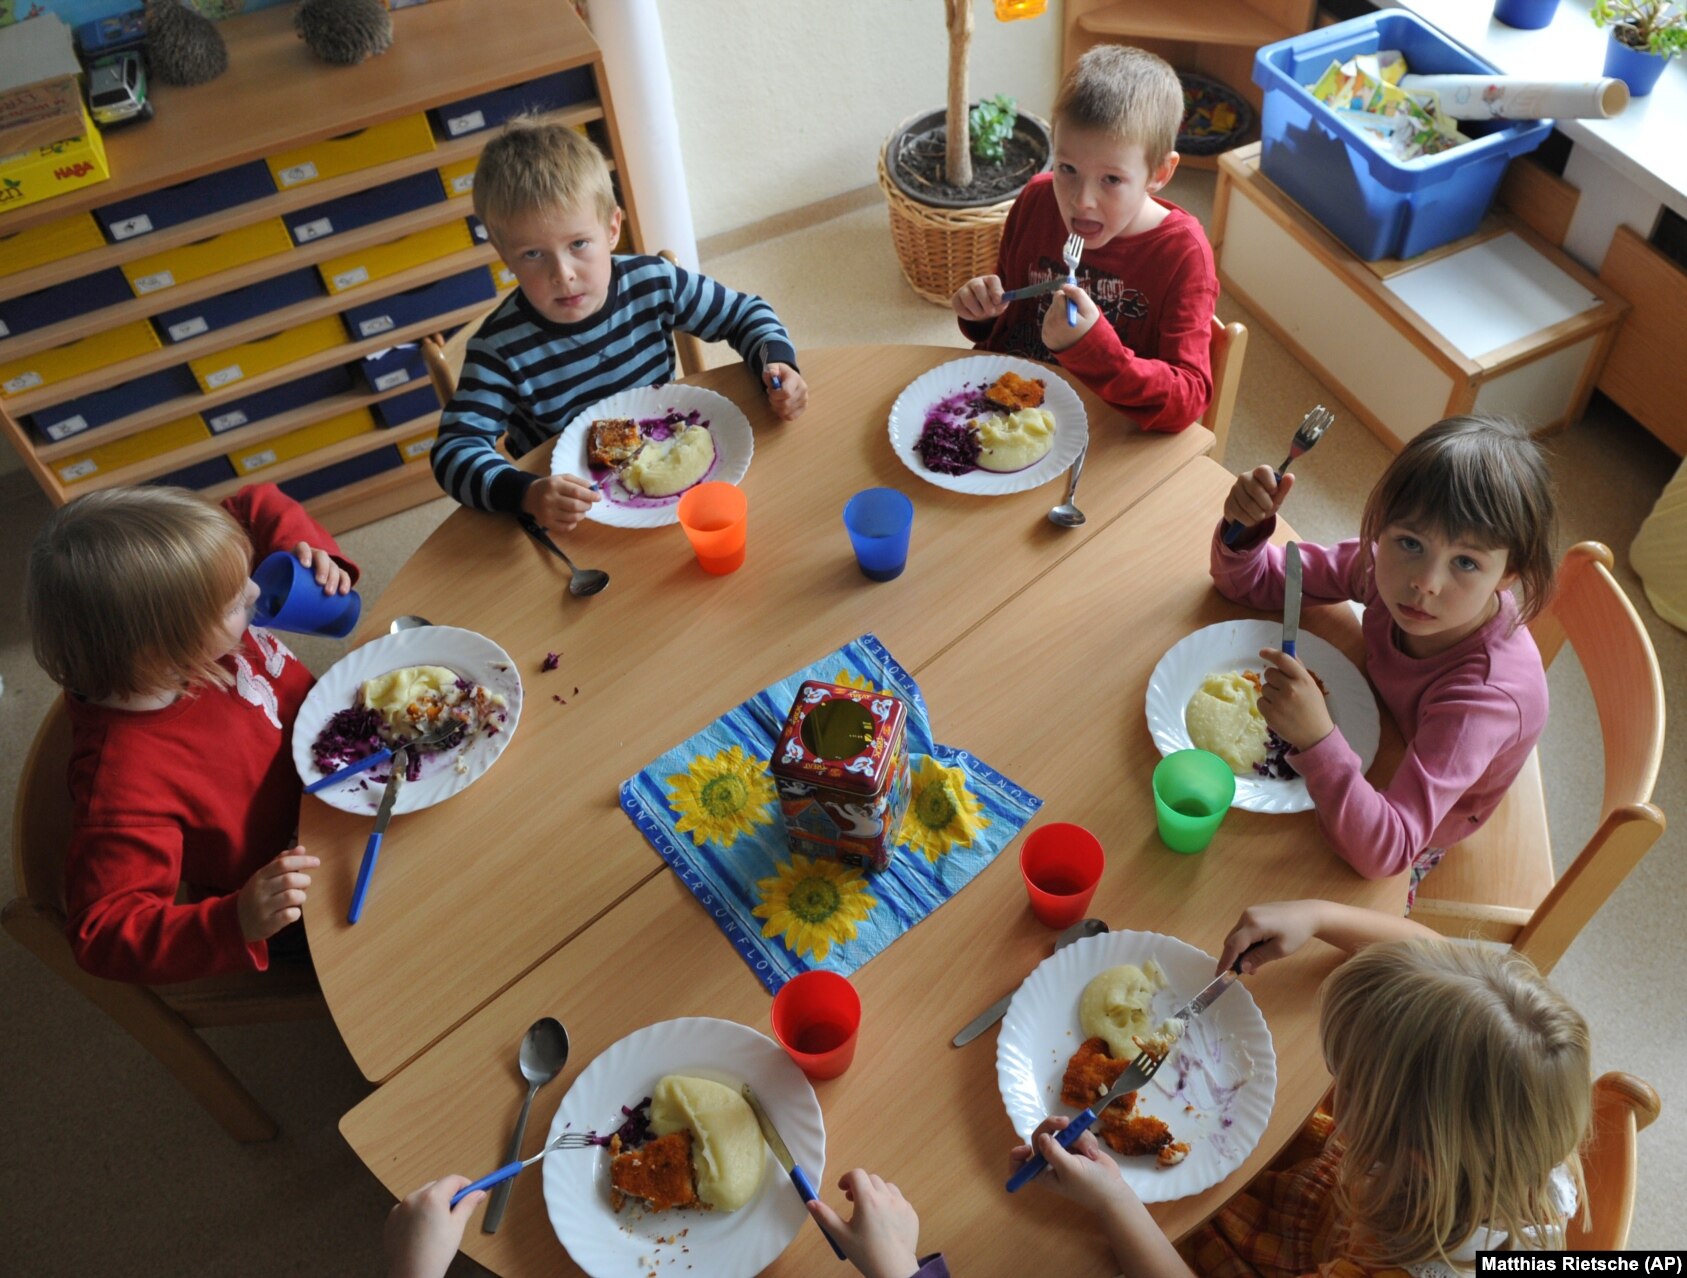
(941, 249)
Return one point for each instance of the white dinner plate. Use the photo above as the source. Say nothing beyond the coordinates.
(908, 415)
(473, 656)
(734, 445)
(633, 1242)
(1235, 645)
(1215, 1091)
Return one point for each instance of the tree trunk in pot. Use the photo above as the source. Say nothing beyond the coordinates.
(957, 145)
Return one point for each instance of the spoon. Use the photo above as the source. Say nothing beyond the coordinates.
(409, 621)
(1077, 932)
(1067, 514)
(544, 1051)
(585, 581)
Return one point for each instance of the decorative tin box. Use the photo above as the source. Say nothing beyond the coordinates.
(841, 766)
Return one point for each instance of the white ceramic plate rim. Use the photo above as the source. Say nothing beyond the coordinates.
(723, 1245)
(469, 653)
(1235, 645)
(735, 444)
(1041, 1031)
(1071, 422)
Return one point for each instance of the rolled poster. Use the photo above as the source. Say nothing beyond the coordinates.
(1513, 97)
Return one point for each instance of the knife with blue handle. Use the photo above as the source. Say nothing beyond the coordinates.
(372, 849)
(1034, 290)
(799, 1178)
(1291, 597)
(350, 770)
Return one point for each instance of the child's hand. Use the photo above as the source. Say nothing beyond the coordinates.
(979, 298)
(1057, 333)
(1256, 496)
(333, 579)
(425, 1230)
(1277, 929)
(1293, 706)
(791, 397)
(1085, 1173)
(882, 1234)
(275, 895)
(558, 502)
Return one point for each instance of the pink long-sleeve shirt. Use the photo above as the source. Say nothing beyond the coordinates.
(1470, 715)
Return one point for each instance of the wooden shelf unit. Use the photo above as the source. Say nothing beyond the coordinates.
(281, 98)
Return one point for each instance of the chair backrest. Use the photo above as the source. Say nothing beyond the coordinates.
(1229, 344)
(1622, 1106)
(688, 351)
(41, 818)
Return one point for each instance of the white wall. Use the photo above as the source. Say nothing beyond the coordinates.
(785, 102)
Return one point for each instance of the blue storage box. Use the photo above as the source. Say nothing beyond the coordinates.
(403, 409)
(341, 473)
(278, 399)
(185, 201)
(418, 304)
(383, 370)
(1376, 205)
(485, 110)
(73, 416)
(361, 208)
(68, 300)
(211, 313)
(213, 470)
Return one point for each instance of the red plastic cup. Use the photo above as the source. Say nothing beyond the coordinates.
(816, 1016)
(1062, 865)
(715, 517)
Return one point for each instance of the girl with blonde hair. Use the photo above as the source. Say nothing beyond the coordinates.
(1463, 1090)
(183, 792)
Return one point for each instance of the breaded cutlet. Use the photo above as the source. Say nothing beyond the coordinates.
(658, 1172)
(1013, 392)
(1090, 1072)
(613, 441)
(1131, 1133)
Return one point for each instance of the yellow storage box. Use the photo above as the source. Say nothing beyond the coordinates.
(53, 170)
(61, 363)
(307, 439)
(251, 358)
(208, 256)
(48, 242)
(382, 260)
(417, 448)
(362, 149)
(459, 177)
(134, 448)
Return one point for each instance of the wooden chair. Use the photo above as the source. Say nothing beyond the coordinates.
(164, 1018)
(1229, 344)
(1498, 884)
(1622, 1106)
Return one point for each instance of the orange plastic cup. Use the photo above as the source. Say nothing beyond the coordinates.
(816, 1017)
(715, 517)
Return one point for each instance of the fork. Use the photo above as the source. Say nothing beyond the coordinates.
(1310, 431)
(1072, 252)
(424, 742)
(1133, 1079)
(568, 1140)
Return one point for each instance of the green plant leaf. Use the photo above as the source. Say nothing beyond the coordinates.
(990, 125)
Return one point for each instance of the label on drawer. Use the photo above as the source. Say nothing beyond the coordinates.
(502, 276)
(462, 184)
(4, 331)
(22, 382)
(78, 470)
(298, 173)
(223, 376)
(68, 427)
(129, 227)
(305, 232)
(418, 448)
(256, 461)
(226, 421)
(189, 328)
(458, 125)
(386, 381)
(374, 324)
(349, 279)
(152, 283)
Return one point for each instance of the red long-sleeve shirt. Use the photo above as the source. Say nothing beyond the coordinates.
(196, 796)
(1156, 290)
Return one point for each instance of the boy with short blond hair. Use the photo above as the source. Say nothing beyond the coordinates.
(1146, 269)
(582, 325)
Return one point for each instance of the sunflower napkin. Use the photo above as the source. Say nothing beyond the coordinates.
(709, 807)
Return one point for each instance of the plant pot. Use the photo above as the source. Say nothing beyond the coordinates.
(1526, 15)
(943, 241)
(1636, 68)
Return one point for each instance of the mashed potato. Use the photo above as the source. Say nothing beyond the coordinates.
(1223, 716)
(727, 1152)
(664, 467)
(1016, 440)
(1115, 1005)
(393, 694)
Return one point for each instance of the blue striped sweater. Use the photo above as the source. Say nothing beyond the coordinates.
(529, 377)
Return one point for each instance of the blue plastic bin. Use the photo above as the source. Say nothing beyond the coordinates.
(212, 313)
(1376, 205)
(185, 201)
(66, 301)
(73, 416)
(382, 370)
(424, 302)
(278, 399)
(213, 470)
(485, 110)
(361, 208)
(403, 409)
(340, 473)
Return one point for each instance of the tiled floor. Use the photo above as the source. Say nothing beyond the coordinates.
(110, 1168)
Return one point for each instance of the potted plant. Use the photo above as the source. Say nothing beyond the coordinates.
(950, 175)
(1645, 35)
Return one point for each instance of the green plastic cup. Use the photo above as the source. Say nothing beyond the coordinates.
(1192, 792)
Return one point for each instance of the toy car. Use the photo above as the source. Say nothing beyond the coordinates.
(117, 89)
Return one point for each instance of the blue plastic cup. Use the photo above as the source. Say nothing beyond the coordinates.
(290, 599)
(879, 521)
